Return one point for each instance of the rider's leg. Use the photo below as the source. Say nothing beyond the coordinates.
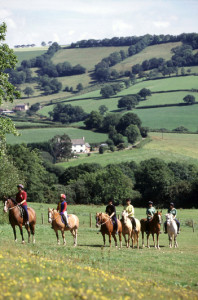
(66, 219)
(147, 226)
(178, 226)
(26, 214)
(165, 227)
(133, 223)
(116, 223)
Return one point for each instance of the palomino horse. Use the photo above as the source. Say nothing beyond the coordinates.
(127, 228)
(172, 230)
(16, 219)
(154, 228)
(55, 218)
(107, 227)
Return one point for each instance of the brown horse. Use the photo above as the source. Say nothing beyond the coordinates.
(107, 227)
(16, 219)
(55, 219)
(154, 228)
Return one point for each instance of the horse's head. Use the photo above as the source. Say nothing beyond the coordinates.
(158, 216)
(7, 204)
(169, 218)
(50, 214)
(98, 219)
(124, 216)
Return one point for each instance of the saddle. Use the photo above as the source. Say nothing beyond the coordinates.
(21, 210)
(63, 220)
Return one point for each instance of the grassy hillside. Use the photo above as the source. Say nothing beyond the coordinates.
(173, 147)
(163, 50)
(155, 118)
(89, 271)
(44, 134)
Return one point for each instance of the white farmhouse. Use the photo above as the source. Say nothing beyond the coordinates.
(79, 146)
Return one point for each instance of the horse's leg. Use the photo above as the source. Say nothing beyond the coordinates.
(154, 240)
(132, 238)
(158, 247)
(28, 231)
(120, 239)
(14, 231)
(115, 239)
(21, 232)
(32, 228)
(170, 243)
(125, 240)
(75, 238)
(137, 240)
(142, 239)
(148, 240)
(58, 241)
(63, 236)
(110, 240)
(103, 238)
(175, 241)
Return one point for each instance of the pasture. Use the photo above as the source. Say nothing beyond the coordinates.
(89, 271)
(36, 135)
(173, 147)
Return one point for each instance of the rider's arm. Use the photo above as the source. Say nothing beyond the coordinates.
(65, 207)
(112, 214)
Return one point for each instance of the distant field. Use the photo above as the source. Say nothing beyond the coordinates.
(29, 53)
(157, 51)
(45, 134)
(87, 57)
(170, 117)
(173, 147)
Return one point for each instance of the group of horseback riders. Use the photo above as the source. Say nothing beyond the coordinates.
(21, 199)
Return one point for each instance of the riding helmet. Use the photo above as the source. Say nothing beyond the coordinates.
(63, 196)
(20, 185)
(150, 202)
(172, 204)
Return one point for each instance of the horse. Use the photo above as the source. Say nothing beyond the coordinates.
(154, 228)
(55, 219)
(172, 230)
(107, 227)
(127, 228)
(16, 219)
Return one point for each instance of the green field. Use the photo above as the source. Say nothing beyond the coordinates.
(44, 134)
(157, 51)
(172, 147)
(89, 271)
(29, 53)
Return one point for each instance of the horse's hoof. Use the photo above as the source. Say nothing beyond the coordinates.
(75, 245)
(23, 242)
(15, 241)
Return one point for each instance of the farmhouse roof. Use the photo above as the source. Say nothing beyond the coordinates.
(78, 141)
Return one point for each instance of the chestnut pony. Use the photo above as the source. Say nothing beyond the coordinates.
(154, 228)
(55, 219)
(107, 227)
(16, 219)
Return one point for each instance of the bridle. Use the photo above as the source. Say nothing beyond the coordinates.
(100, 224)
(10, 208)
(50, 219)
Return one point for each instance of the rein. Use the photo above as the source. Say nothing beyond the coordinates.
(53, 219)
(104, 222)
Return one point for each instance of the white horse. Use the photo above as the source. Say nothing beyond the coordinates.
(172, 230)
(127, 228)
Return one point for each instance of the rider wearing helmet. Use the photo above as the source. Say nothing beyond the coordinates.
(111, 211)
(21, 199)
(130, 210)
(150, 211)
(62, 208)
(172, 210)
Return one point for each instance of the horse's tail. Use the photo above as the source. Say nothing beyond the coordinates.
(32, 215)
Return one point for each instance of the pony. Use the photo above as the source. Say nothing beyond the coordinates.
(55, 219)
(154, 228)
(16, 219)
(127, 228)
(104, 221)
(172, 230)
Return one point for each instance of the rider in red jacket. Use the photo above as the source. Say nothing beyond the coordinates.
(21, 199)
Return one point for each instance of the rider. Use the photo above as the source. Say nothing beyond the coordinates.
(172, 210)
(111, 211)
(150, 211)
(130, 210)
(62, 208)
(21, 199)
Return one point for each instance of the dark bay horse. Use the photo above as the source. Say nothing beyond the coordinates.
(107, 227)
(154, 228)
(55, 219)
(16, 219)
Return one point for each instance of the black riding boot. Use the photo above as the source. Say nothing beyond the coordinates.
(165, 227)
(133, 223)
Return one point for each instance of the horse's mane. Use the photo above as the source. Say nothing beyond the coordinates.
(13, 200)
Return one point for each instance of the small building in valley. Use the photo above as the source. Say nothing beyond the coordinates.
(79, 146)
(21, 107)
